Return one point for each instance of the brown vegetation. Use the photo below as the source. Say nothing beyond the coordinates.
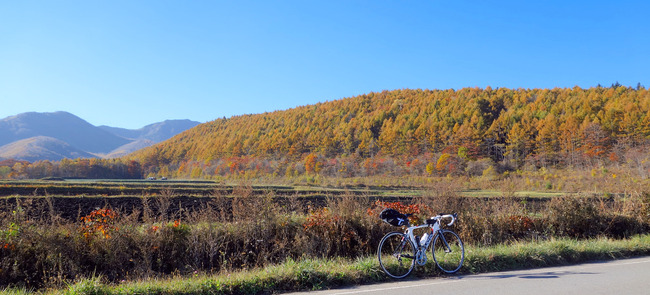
(242, 230)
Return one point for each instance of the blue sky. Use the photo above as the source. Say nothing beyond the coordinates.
(132, 63)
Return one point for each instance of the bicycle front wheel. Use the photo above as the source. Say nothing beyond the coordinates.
(396, 255)
(448, 251)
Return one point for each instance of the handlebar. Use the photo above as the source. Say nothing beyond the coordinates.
(441, 216)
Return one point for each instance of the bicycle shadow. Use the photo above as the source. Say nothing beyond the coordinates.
(527, 275)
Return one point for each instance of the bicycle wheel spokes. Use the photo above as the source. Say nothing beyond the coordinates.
(448, 251)
(396, 255)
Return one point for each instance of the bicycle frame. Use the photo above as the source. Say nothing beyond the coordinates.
(417, 242)
(423, 245)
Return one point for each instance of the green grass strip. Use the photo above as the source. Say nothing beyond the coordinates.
(317, 274)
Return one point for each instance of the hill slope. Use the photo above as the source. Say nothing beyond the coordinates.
(404, 123)
(41, 148)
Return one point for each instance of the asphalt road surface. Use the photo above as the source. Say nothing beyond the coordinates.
(626, 276)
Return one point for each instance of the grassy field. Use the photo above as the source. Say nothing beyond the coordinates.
(150, 236)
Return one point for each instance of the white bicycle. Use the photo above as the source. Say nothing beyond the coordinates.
(398, 252)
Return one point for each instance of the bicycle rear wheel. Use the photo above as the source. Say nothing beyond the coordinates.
(396, 255)
(448, 251)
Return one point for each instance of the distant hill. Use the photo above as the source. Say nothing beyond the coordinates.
(53, 136)
(42, 148)
(62, 126)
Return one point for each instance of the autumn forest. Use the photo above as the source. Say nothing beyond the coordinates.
(400, 132)
(419, 132)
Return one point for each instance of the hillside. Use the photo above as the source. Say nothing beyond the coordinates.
(543, 126)
(41, 148)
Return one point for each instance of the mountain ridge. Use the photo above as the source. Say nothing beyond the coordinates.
(60, 125)
(53, 136)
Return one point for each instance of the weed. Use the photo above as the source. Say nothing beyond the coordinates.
(92, 286)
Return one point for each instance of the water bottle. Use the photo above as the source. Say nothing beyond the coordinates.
(423, 240)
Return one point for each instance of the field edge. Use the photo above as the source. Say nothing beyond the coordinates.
(319, 274)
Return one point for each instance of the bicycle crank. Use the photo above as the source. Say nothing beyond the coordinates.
(421, 257)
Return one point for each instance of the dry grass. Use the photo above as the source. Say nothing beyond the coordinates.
(247, 231)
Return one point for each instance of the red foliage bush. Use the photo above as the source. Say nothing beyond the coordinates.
(99, 222)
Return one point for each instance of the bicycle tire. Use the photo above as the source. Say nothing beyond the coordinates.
(396, 254)
(448, 251)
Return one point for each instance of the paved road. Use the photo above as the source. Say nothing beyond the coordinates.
(627, 276)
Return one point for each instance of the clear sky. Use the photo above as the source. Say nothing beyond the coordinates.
(131, 63)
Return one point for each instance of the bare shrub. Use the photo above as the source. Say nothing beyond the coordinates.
(221, 206)
(574, 217)
(163, 202)
(147, 214)
(639, 161)
(55, 218)
(247, 206)
(508, 187)
(207, 247)
(443, 188)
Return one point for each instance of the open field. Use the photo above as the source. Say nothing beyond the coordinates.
(187, 188)
(72, 199)
(181, 228)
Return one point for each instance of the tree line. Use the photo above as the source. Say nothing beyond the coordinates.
(420, 131)
(67, 168)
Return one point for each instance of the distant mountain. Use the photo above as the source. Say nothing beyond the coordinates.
(41, 148)
(62, 126)
(156, 132)
(54, 136)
